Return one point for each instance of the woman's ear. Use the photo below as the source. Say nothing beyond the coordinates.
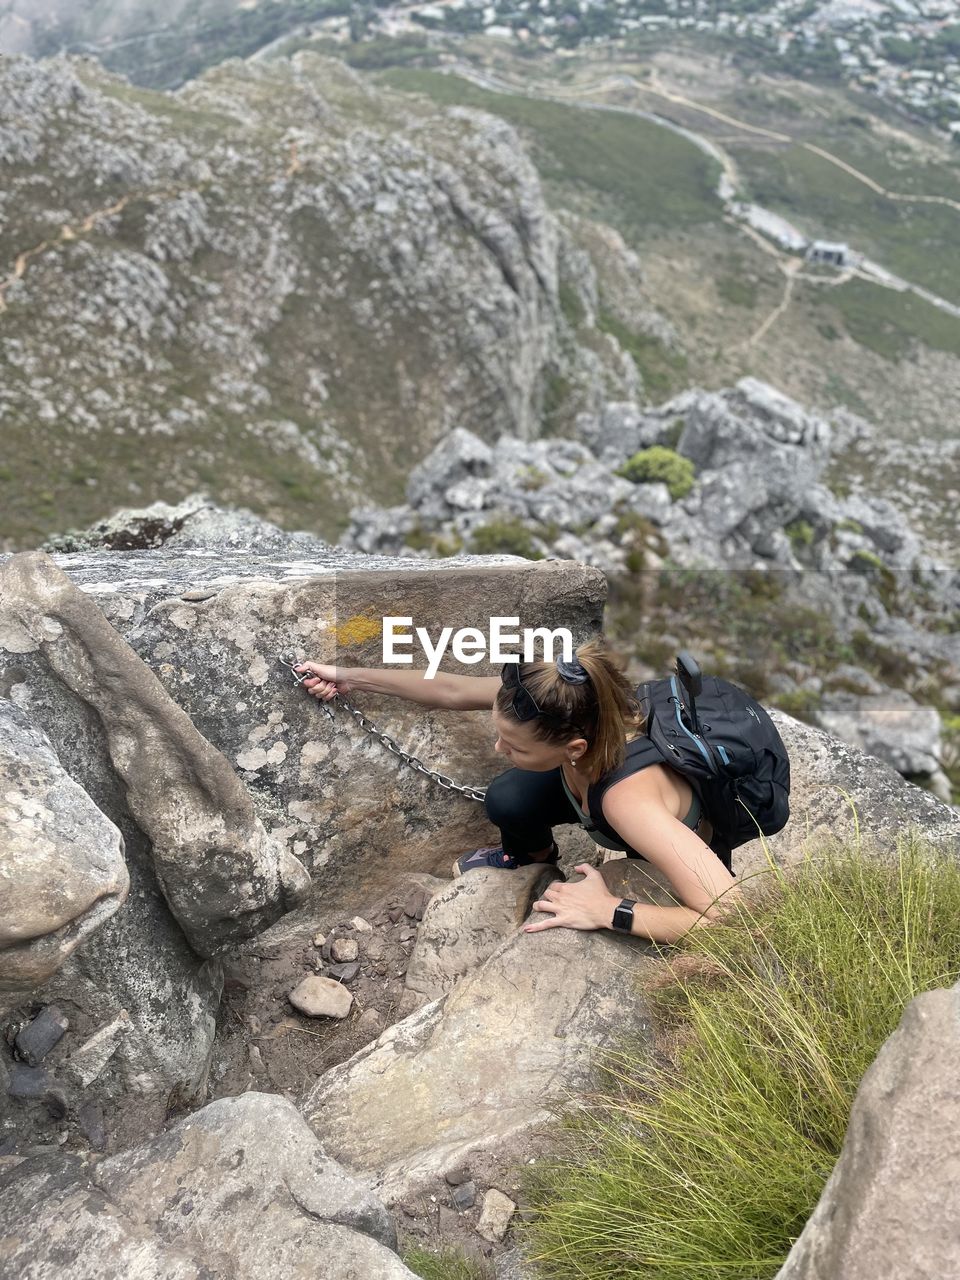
(575, 748)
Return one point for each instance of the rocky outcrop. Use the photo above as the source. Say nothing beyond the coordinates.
(240, 1188)
(62, 871)
(755, 500)
(481, 1068)
(890, 1208)
(208, 621)
(467, 920)
(893, 727)
(211, 627)
(758, 460)
(222, 877)
(188, 242)
(837, 791)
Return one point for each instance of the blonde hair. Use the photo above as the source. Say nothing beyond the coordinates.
(603, 709)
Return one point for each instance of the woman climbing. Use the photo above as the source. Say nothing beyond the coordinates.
(573, 732)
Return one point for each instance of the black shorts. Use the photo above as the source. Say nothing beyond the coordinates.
(526, 805)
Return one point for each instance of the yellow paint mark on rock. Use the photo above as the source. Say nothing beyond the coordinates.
(358, 630)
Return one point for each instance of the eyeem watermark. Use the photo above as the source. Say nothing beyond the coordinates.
(469, 645)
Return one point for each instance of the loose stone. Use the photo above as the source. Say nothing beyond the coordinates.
(344, 972)
(321, 998)
(361, 925)
(344, 950)
(495, 1215)
(86, 1063)
(37, 1039)
(465, 1197)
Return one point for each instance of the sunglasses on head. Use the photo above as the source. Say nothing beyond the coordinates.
(524, 706)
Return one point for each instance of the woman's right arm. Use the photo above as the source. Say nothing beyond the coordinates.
(456, 693)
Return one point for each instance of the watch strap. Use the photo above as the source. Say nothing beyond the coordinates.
(623, 916)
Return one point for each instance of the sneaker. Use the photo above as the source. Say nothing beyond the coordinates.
(494, 856)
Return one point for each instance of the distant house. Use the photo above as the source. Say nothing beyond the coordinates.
(828, 253)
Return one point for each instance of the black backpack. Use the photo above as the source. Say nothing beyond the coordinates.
(724, 742)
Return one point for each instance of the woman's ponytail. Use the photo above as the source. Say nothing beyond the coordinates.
(603, 709)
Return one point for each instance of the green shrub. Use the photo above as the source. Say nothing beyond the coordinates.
(703, 1161)
(509, 536)
(660, 464)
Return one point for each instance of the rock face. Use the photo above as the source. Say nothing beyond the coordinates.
(893, 727)
(837, 790)
(186, 237)
(240, 1188)
(467, 920)
(480, 1067)
(222, 877)
(62, 871)
(211, 627)
(890, 1208)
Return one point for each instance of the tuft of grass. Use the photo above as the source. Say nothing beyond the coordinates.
(448, 1264)
(705, 1163)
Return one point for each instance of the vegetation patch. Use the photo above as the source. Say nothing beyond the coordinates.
(657, 463)
(663, 370)
(615, 166)
(508, 536)
(705, 1161)
(447, 1264)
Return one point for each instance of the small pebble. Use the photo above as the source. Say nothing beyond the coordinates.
(319, 939)
(394, 914)
(458, 1175)
(361, 925)
(344, 950)
(416, 903)
(464, 1197)
(407, 935)
(344, 972)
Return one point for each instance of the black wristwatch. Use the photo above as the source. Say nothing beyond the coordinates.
(623, 916)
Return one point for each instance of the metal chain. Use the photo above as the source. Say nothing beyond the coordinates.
(441, 779)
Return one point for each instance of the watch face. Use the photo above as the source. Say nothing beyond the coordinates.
(623, 917)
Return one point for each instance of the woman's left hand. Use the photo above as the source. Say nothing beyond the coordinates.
(582, 904)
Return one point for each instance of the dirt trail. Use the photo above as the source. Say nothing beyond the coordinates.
(68, 233)
(655, 87)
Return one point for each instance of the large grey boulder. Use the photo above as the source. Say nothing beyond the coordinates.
(891, 726)
(839, 791)
(62, 871)
(240, 1188)
(891, 1207)
(211, 624)
(222, 876)
(467, 920)
(481, 1068)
